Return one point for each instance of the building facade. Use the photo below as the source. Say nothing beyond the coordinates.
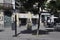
(7, 3)
(7, 6)
(21, 17)
(1, 20)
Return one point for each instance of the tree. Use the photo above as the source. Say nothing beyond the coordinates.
(54, 6)
(0, 7)
(28, 6)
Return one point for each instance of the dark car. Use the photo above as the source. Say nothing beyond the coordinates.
(57, 27)
(57, 24)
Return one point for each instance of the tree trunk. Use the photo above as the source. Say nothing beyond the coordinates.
(15, 25)
(38, 25)
(38, 20)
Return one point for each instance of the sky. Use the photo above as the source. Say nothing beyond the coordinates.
(48, 1)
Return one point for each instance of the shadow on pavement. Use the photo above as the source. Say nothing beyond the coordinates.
(25, 32)
(41, 32)
(1, 30)
(50, 30)
(33, 32)
(57, 30)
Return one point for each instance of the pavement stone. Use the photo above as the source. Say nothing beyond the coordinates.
(7, 34)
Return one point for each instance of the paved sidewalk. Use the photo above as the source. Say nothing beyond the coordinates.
(7, 34)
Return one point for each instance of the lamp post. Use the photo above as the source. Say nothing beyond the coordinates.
(15, 22)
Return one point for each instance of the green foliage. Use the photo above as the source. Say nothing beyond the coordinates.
(1, 7)
(4, 7)
(8, 13)
(28, 4)
(34, 11)
(58, 4)
(51, 4)
(54, 4)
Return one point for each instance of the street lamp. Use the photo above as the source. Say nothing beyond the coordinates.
(15, 18)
